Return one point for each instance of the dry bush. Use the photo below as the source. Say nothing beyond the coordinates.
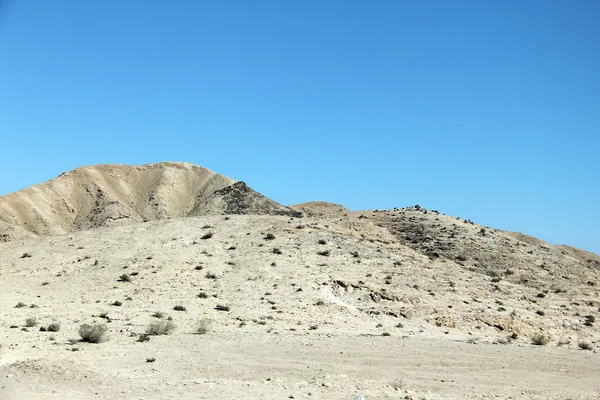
(585, 346)
(160, 328)
(30, 322)
(540, 340)
(94, 333)
(53, 327)
(204, 326)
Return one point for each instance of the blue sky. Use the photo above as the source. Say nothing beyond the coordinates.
(488, 110)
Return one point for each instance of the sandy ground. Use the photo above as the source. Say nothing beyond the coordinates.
(269, 366)
(327, 308)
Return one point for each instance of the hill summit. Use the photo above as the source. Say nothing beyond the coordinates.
(111, 195)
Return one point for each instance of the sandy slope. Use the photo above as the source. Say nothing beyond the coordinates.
(300, 323)
(106, 195)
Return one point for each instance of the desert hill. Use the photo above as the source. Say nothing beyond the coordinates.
(308, 302)
(111, 195)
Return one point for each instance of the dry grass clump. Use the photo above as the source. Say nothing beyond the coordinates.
(160, 328)
(211, 275)
(540, 340)
(53, 327)
(585, 346)
(30, 322)
(207, 235)
(93, 333)
(204, 326)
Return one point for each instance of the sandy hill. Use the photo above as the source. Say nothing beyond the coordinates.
(110, 195)
(385, 304)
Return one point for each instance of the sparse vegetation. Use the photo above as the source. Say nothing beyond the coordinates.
(322, 241)
(269, 236)
(585, 346)
(211, 275)
(222, 307)
(277, 251)
(203, 326)
(20, 305)
(31, 322)
(202, 295)
(125, 278)
(53, 327)
(589, 320)
(117, 303)
(160, 328)
(323, 253)
(179, 308)
(93, 333)
(158, 314)
(540, 340)
(144, 337)
(207, 235)
(26, 255)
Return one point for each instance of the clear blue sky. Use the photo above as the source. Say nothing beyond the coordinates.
(488, 110)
